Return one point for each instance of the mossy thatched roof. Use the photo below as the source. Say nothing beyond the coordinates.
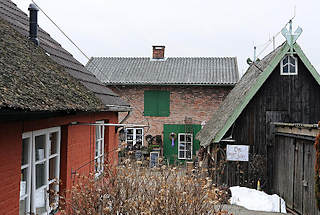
(30, 80)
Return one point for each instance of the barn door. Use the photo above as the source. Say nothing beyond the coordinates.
(271, 116)
(298, 176)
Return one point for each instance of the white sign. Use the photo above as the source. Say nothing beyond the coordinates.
(237, 153)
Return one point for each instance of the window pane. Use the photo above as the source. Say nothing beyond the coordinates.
(139, 138)
(24, 182)
(139, 131)
(25, 151)
(40, 201)
(40, 175)
(129, 131)
(182, 146)
(188, 155)
(188, 138)
(285, 60)
(101, 147)
(285, 69)
(129, 137)
(181, 154)
(53, 143)
(182, 137)
(189, 146)
(96, 165)
(292, 69)
(23, 207)
(97, 149)
(40, 142)
(53, 166)
(98, 132)
(292, 60)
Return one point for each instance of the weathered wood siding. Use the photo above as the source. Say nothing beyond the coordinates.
(293, 99)
(294, 173)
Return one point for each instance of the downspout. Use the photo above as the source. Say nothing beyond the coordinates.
(123, 120)
(126, 117)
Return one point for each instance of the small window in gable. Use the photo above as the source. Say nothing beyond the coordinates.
(289, 65)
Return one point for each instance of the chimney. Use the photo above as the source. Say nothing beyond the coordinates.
(158, 52)
(33, 24)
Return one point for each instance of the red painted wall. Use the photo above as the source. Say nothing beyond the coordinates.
(77, 149)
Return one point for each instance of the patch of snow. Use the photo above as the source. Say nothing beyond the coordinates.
(252, 199)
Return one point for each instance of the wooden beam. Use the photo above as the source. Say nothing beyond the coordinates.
(311, 132)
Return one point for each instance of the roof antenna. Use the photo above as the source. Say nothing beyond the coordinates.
(289, 35)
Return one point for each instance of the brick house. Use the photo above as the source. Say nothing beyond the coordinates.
(44, 96)
(164, 92)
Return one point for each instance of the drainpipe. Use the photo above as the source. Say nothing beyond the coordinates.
(123, 120)
(126, 117)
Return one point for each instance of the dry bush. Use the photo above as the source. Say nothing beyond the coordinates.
(134, 189)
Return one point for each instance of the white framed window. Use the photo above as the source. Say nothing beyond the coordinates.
(134, 138)
(289, 65)
(185, 141)
(99, 149)
(40, 169)
(25, 183)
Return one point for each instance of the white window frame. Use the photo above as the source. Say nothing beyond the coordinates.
(32, 191)
(184, 142)
(134, 136)
(289, 64)
(99, 149)
(27, 195)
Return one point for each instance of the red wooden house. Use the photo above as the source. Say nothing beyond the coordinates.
(45, 95)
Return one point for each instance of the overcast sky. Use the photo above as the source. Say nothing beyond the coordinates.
(187, 28)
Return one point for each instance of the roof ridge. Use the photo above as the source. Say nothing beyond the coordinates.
(177, 57)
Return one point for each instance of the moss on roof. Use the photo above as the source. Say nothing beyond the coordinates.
(30, 80)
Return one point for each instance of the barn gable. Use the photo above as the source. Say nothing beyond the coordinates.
(245, 90)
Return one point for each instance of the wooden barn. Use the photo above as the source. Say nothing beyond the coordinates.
(282, 87)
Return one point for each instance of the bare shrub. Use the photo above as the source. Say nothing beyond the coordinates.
(134, 189)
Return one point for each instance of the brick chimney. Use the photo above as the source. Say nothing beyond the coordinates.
(158, 52)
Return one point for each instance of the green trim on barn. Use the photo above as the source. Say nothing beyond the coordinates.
(264, 76)
(171, 153)
(307, 63)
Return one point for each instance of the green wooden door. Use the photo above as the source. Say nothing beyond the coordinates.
(171, 152)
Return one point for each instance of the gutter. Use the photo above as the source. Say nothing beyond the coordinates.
(118, 108)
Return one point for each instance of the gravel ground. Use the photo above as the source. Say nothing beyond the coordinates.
(238, 210)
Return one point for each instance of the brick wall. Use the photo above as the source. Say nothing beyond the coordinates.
(77, 148)
(198, 102)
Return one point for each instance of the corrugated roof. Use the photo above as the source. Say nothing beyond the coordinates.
(20, 21)
(170, 71)
(31, 81)
(235, 98)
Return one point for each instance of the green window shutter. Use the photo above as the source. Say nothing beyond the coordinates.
(164, 103)
(156, 103)
(150, 103)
